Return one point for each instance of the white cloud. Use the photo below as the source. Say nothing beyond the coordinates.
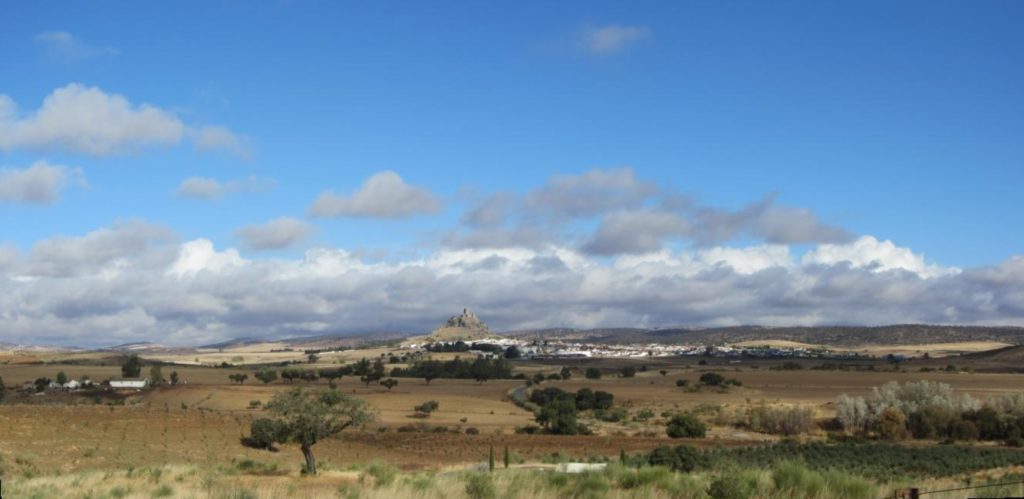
(612, 39)
(278, 233)
(123, 243)
(199, 255)
(87, 120)
(210, 189)
(65, 47)
(128, 283)
(383, 195)
(40, 183)
(878, 256)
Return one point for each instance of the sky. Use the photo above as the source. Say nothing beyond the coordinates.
(192, 172)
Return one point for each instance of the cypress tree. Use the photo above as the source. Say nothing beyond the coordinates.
(490, 460)
(506, 457)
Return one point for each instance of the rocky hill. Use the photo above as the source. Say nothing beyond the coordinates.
(465, 327)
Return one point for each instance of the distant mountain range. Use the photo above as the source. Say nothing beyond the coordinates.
(24, 347)
(844, 336)
(468, 327)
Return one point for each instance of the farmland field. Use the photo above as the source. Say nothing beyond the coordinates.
(200, 423)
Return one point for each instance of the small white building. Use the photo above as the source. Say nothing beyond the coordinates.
(580, 467)
(129, 383)
(72, 385)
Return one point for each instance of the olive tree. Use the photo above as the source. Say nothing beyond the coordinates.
(308, 416)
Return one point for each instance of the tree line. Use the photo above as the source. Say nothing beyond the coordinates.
(930, 410)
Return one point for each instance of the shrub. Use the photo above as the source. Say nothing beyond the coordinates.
(628, 372)
(603, 400)
(590, 485)
(480, 486)
(892, 424)
(585, 399)
(780, 420)
(797, 479)
(663, 456)
(423, 410)
(644, 414)
(963, 431)
(712, 379)
(727, 487)
(612, 415)
(688, 458)
(686, 426)
(592, 373)
(383, 474)
(472, 431)
(163, 491)
(682, 383)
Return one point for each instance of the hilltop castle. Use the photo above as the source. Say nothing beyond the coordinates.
(466, 327)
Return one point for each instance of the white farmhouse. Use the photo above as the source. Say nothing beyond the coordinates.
(129, 383)
(72, 385)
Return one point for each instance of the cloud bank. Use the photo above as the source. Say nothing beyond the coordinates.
(132, 282)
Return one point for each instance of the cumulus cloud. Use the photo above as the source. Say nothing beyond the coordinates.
(635, 216)
(80, 119)
(636, 231)
(877, 256)
(383, 195)
(278, 233)
(612, 39)
(590, 193)
(118, 245)
(40, 183)
(210, 189)
(767, 220)
(65, 47)
(133, 282)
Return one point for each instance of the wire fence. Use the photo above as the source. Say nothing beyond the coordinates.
(915, 493)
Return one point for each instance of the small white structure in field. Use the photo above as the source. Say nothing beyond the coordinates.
(129, 383)
(72, 385)
(580, 467)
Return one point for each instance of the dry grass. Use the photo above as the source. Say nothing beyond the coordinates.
(380, 481)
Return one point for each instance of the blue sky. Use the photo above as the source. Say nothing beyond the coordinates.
(899, 121)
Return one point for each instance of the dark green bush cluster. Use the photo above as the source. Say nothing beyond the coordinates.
(558, 409)
(480, 369)
(715, 379)
(884, 462)
(680, 458)
(685, 425)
